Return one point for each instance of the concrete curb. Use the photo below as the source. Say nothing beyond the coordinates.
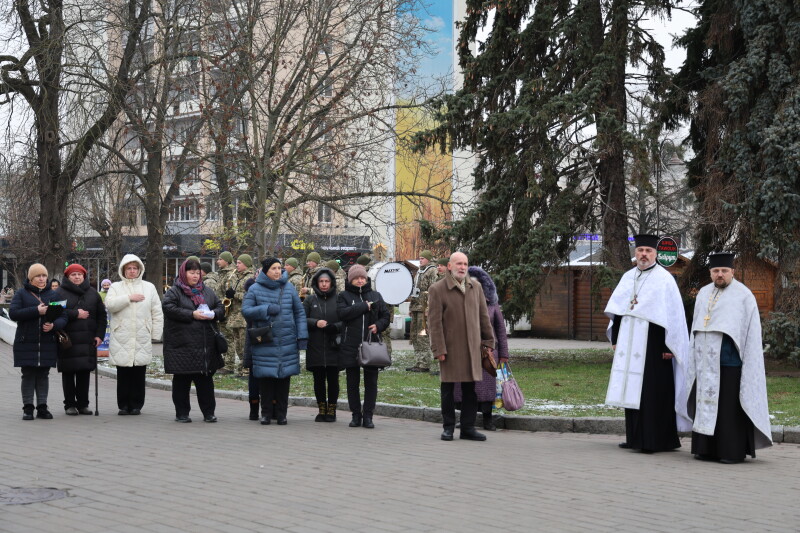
(604, 425)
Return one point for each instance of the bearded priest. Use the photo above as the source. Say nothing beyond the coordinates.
(651, 343)
(725, 372)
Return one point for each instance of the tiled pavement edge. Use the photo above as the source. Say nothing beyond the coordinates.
(148, 473)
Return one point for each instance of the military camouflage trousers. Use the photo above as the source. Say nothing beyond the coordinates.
(235, 338)
(423, 357)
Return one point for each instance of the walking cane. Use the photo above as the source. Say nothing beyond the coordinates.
(96, 413)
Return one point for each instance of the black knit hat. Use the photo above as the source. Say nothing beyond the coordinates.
(268, 262)
(646, 240)
(721, 260)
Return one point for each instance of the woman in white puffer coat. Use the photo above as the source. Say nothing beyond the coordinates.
(136, 321)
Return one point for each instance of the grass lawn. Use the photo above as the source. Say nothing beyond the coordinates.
(555, 383)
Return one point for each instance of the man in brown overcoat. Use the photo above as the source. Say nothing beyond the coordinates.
(458, 326)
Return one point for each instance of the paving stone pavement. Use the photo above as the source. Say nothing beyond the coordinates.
(150, 474)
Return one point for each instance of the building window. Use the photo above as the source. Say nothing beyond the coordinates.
(212, 210)
(324, 213)
(183, 211)
(326, 89)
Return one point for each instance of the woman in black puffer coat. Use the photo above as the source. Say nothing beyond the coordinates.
(35, 346)
(322, 354)
(363, 313)
(86, 329)
(190, 350)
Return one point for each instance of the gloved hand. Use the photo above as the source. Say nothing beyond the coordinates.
(273, 309)
(330, 328)
(230, 293)
(302, 344)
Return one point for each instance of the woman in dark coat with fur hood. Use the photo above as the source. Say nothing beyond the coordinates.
(364, 314)
(485, 389)
(190, 349)
(86, 329)
(322, 354)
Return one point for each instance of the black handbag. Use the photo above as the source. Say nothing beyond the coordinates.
(260, 335)
(64, 342)
(219, 340)
(263, 334)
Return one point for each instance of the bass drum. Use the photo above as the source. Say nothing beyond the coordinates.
(393, 280)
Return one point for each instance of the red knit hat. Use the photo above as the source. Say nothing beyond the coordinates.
(74, 268)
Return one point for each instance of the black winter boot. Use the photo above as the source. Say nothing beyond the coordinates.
(367, 422)
(356, 421)
(330, 414)
(253, 409)
(27, 411)
(488, 420)
(42, 412)
(323, 410)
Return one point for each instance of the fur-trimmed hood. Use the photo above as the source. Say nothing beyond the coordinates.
(489, 288)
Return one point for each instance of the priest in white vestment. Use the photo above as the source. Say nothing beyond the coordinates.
(651, 343)
(725, 372)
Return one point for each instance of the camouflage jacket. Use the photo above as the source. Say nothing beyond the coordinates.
(309, 275)
(341, 277)
(296, 279)
(236, 281)
(211, 280)
(222, 277)
(424, 281)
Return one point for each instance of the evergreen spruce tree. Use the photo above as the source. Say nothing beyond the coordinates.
(544, 108)
(741, 89)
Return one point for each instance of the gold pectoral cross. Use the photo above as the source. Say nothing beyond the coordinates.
(634, 301)
(706, 319)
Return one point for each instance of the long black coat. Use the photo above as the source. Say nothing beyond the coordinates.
(83, 354)
(189, 346)
(322, 350)
(32, 346)
(352, 310)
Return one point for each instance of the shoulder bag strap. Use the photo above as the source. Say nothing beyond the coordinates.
(280, 300)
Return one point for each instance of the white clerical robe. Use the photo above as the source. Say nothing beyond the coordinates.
(735, 314)
(657, 300)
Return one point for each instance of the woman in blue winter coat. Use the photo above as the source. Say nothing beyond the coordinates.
(35, 345)
(271, 301)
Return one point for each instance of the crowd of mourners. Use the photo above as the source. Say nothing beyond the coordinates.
(328, 323)
(668, 375)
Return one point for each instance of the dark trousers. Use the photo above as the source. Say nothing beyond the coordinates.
(276, 389)
(370, 389)
(326, 375)
(76, 388)
(130, 387)
(35, 380)
(469, 405)
(204, 386)
(253, 387)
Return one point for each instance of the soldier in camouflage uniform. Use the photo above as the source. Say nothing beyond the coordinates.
(292, 267)
(234, 288)
(224, 270)
(313, 261)
(441, 268)
(426, 276)
(210, 278)
(338, 273)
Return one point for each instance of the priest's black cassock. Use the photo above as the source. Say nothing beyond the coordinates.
(648, 320)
